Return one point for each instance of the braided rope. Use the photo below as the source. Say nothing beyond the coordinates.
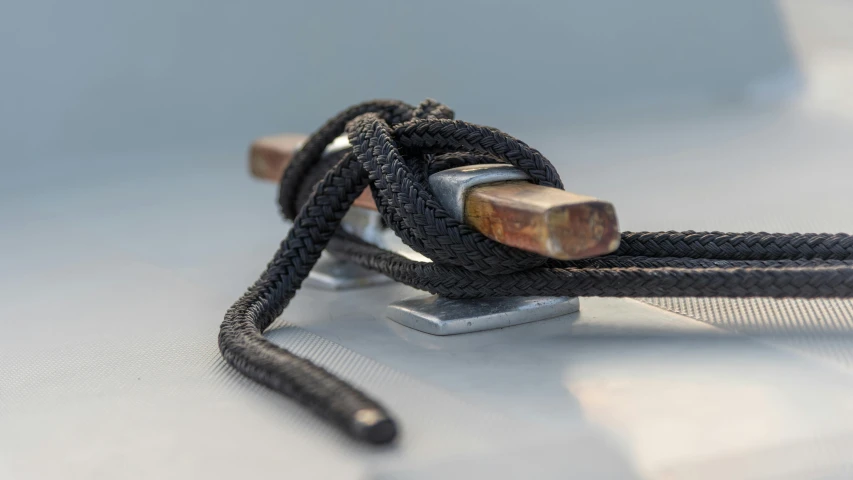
(395, 147)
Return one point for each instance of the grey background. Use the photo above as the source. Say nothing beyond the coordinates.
(96, 76)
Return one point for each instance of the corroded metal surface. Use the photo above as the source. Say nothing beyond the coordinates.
(270, 156)
(547, 221)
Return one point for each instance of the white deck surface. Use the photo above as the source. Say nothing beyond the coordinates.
(114, 282)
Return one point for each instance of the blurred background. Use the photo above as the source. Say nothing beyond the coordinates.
(90, 78)
(130, 222)
(102, 77)
(91, 86)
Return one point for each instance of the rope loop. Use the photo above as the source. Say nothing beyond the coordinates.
(399, 146)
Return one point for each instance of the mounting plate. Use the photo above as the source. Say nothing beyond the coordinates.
(443, 316)
(331, 273)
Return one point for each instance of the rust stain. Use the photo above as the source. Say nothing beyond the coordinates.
(547, 221)
(270, 156)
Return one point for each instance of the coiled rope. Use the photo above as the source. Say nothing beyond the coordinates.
(395, 147)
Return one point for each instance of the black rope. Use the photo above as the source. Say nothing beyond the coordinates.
(395, 147)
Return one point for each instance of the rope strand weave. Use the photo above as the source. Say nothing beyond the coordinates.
(395, 147)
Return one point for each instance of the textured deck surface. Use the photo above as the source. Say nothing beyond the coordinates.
(114, 282)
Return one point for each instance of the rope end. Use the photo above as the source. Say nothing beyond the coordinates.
(373, 426)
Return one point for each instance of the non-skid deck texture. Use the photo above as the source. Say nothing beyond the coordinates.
(818, 328)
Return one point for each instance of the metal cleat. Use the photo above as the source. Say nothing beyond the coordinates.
(498, 201)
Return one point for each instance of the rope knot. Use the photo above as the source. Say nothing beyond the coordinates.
(395, 147)
(398, 147)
